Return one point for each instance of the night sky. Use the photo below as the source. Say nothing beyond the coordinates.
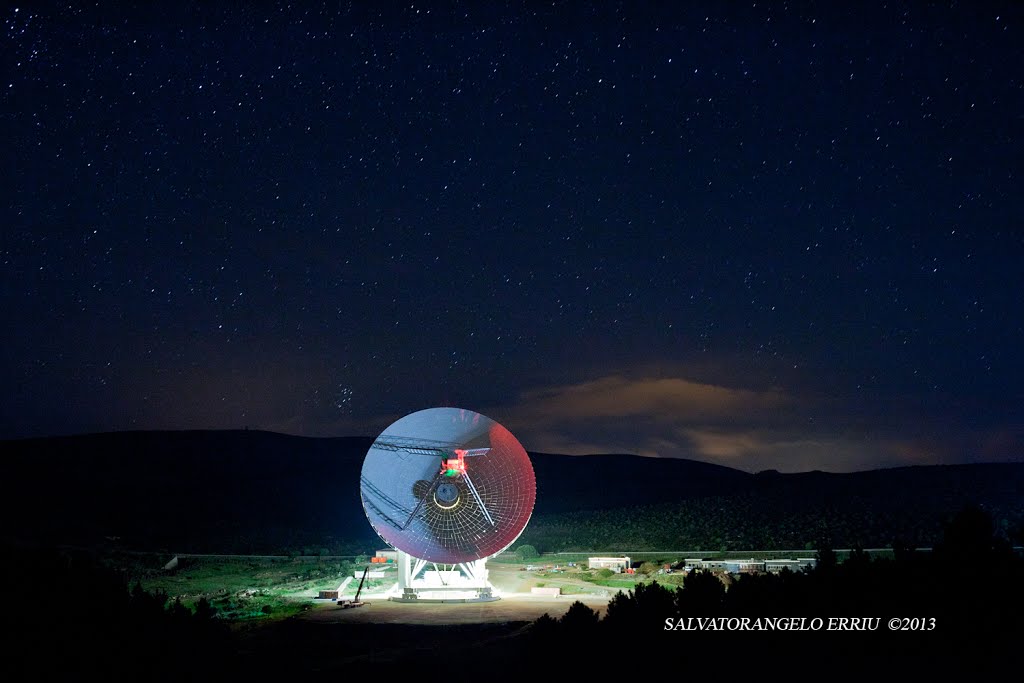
(764, 235)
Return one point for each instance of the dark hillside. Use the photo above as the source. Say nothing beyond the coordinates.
(251, 491)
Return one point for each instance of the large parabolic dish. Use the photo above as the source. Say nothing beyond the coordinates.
(448, 485)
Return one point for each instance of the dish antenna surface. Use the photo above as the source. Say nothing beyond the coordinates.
(449, 487)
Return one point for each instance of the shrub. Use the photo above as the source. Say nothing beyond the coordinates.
(526, 552)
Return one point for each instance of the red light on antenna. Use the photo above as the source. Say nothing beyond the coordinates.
(456, 465)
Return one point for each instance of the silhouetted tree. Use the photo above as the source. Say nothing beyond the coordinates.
(858, 560)
(968, 535)
(980, 587)
(579, 619)
(654, 602)
(544, 627)
(146, 605)
(701, 595)
(758, 594)
(826, 558)
(179, 611)
(204, 610)
(902, 551)
(621, 611)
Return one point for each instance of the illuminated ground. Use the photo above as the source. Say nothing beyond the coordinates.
(516, 607)
(517, 604)
(383, 633)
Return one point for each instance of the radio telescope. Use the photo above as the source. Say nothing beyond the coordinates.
(448, 488)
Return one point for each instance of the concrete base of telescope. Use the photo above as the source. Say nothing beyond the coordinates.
(463, 582)
(443, 600)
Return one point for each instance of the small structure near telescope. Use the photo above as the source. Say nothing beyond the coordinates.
(616, 564)
(385, 556)
(447, 488)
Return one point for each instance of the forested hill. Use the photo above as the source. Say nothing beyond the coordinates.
(733, 510)
(251, 491)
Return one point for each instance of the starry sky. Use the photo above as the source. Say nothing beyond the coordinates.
(766, 235)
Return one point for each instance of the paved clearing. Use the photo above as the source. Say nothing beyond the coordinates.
(514, 607)
(517, 604)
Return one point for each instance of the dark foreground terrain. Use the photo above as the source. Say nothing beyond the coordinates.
(71, 617)
(102, 629)
(70, 500)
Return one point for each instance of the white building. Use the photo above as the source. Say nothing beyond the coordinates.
(616, 564)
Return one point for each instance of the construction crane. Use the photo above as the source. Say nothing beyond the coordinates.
(354, 602)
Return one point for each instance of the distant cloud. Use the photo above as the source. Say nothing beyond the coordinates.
(744, 423)
(734, 426)
(662, 399)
